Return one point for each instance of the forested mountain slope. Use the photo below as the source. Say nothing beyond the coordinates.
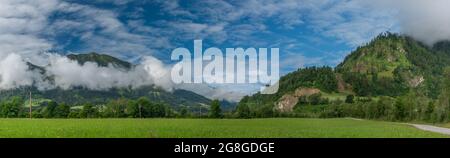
(390, 65)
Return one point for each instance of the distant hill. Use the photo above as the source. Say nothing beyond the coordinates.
(389, 65)
(392, 64)
(100, 59)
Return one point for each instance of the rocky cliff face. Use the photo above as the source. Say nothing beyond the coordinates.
(288, 101)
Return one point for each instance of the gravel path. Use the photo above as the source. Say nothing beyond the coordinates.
(430, 128)
(441, 130)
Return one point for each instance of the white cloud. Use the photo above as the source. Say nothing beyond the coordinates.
(13, 72)
(115, 2)
(20, 25)
(427, 21)
(354, 22)
(66, 74)
(173, 7)
(293, 61)
(101, 30)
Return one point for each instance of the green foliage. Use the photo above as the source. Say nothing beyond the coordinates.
(11, 108)
(184, 112)
(49, 109)
(350, 99)
(215, 111)
(88, 111)
(388, 64)
(363, 85)
(380, 56)
(322, 78)
(61, 111)
(413, 106)
(149, 109)
(442, 109)
(80, 96)
(315, 99)
(133, 109)
(243, 111)
(117, 108)
(74, 114)
(308, 111)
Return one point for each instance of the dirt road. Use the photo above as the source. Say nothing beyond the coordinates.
(431, 128)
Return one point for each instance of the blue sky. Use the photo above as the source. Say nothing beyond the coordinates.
(308, 32)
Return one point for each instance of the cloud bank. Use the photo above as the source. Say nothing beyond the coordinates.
(65, 74)
(427, 21)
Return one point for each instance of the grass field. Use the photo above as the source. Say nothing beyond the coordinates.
(207, 128)
(446, 125)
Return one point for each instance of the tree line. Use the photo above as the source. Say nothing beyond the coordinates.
(118, 108)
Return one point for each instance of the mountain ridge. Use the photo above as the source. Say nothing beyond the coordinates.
(100, 59)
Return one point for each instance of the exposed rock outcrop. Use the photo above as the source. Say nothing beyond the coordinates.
(287, 102)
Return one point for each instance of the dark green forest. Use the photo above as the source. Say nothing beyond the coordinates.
(117, 108)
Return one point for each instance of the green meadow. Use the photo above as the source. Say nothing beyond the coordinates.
(207, 128)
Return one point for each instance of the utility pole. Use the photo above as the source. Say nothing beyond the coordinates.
(30, 106)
